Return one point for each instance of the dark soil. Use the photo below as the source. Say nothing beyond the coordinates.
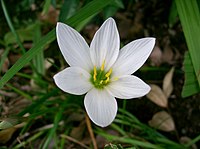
(151, 18)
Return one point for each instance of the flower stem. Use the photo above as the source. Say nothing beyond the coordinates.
(88, 123)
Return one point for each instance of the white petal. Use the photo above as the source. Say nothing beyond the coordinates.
(101, 107)
(73, 47)
(105, 45)
(133, 56)
(73, 80)
(127, 87)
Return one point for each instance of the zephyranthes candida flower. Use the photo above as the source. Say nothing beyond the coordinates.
(102, 71)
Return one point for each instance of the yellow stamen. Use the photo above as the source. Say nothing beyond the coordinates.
(102, 66)
(95, 74)
(107, 80)
(101, 82)
(108, 73)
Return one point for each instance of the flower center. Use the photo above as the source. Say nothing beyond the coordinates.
(99, 77)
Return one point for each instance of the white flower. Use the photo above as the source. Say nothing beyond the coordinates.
(102, 71)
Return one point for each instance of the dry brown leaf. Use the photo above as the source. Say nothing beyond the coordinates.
(6, 62)
(51, 16)
(5, 65)
(77, 132)
(156, 56)
(162, 121)
(167, 83)
(6, 134)
(185, 140)
(48, 63)
(157, 96)
(101, 141)
(167, 55)
(17, 104)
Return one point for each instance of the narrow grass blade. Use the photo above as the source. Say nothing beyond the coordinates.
(38, 102)
(20, 92)
(80, 26)
(47, 4)
(91, 8)
(29, 140)
(189, 15)
(53, 130)
(193, 141)
(11, 26)
(38, 60)
(131, 141)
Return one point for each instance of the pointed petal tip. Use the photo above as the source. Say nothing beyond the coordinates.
(153, 39)
(110, 19)
(103, 126)
(59, 24)
(148, 88)
(54, 77)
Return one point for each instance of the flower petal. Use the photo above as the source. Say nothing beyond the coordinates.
(133, 56)
(105, 45)
(73, 80)
(101, 107)
(73, 47)
(127, 87)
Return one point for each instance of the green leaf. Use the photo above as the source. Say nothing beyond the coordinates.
(112, 9)
(68, 9)
(20, 92)
(87, 11)
(11, 26)
(24, 34)
(80, 26)
(191, 85)
(47, 4)
(173, 14)
(8, 122)
(189, 15)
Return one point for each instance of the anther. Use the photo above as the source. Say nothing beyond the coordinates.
(109, 73)
(102, 66)
(95, 74)
(101, 82)
(107, 80)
